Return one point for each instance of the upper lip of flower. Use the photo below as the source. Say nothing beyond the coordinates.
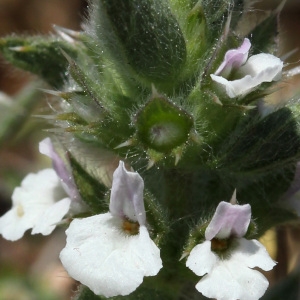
(234, 58)
(126, 198)
(229, 220)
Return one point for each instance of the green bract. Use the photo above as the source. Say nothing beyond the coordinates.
(161, 125)
(40, 55)
(149, 45)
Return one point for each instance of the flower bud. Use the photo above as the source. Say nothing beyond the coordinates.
(161, 125)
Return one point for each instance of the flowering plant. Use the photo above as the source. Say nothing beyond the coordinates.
(161, 112)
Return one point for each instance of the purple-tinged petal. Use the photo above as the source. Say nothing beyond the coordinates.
(126, 199)
(46, 148)
(234, 58)
(229, 220)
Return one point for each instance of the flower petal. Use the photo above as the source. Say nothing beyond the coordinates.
(126, 197)
(50, 217)
(253, 254)
(46, 147)
(13, 227)
(253, 284)
(201, 259)
(234, 58)
(258, 69)
(230, 280)
(102, 257)
(229, 220)
(219, 284)
(264, 67)
(239, 87)
(36, 194)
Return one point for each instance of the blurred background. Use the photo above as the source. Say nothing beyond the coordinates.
(29, 268)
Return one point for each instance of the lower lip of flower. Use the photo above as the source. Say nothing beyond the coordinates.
(131, 228)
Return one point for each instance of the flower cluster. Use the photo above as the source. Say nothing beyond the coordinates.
(112, 252)
(159, 115)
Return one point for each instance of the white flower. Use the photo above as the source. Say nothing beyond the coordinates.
(42, 200)
(248, 74)
(35, 205)
(66, 179)
(230, 276)
(112, 252)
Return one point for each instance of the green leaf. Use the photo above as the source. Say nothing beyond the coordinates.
(91, 190)
(216, 13)
(260, 144)
(258, 159)
(143, 37)
(39, 55)
(191, 18)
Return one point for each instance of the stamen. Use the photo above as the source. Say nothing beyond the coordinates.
(219, 245)
(131, 228)
(20, 210)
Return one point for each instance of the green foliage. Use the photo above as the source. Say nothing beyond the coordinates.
(157, 55)
(91, 190)
(259, 145)
(110, 111)
(192, 21)
(39, 55)
(216, 13)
